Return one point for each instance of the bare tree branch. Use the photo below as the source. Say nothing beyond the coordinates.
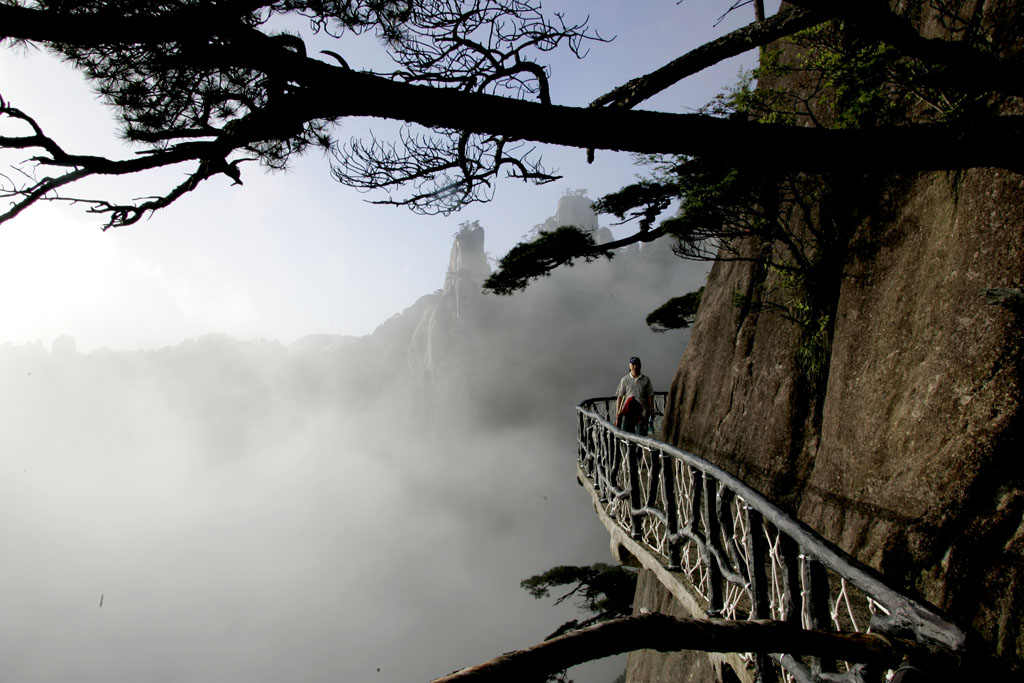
(447, 169)
(760, 33)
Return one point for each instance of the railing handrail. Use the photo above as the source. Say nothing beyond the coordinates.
(905, 614)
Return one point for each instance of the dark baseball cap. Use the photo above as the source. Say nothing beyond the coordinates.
(634, 361)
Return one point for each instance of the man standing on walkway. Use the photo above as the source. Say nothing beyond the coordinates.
(634, 406)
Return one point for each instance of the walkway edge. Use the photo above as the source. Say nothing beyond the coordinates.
(673, 582)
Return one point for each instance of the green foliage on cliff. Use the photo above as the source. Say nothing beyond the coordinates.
(825, 76)
(828, 76)
(645, 200)
(603, 590)
(677, 313)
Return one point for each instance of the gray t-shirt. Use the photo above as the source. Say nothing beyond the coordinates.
(638, 387)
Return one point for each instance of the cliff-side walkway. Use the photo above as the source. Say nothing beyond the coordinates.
(726, 552)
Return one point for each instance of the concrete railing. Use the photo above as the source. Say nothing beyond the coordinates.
(743, 557)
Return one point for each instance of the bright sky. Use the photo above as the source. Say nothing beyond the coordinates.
(292, 254)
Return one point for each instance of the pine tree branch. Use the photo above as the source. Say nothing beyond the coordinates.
(293, 100)
(85, 29)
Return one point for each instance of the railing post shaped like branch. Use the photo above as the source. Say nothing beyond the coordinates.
(603, 463)
(790, 556)
(633, 457)
(610, 465)
(816, 590)
(618, 462)
(815, 607)
(758, 588)
(585, 454)
(696, 500)
(654, 483)
(671, 512)
(728, 525)
(582, 452)
(716, 599)
(599, 457)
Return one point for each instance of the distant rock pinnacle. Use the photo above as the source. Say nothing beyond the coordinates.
(468, 257)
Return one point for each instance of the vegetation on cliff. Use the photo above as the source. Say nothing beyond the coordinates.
(603, 591)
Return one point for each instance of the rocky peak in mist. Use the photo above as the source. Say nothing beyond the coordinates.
(575, 209)
(468, 257)
(531, 356)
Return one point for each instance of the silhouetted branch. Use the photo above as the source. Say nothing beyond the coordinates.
(737, 42)
(112, 25)
(668, 634)
(208, 156)
(447, 169)
(528, 261)
(483, 46)
(224, 92)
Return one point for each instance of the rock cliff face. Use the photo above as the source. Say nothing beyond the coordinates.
(907, 454)
(910, 460)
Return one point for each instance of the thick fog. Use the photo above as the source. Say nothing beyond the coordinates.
(341, 509)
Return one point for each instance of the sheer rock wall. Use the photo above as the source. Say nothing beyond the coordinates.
(908, 457)
(907, 453)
